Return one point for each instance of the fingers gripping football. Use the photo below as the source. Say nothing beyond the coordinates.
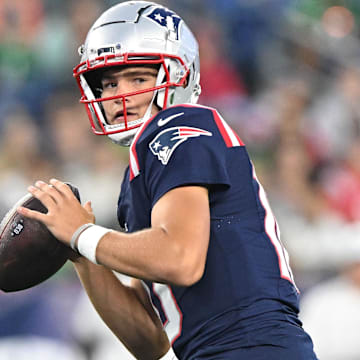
(65, 213)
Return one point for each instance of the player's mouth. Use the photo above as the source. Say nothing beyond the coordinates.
(119, 117)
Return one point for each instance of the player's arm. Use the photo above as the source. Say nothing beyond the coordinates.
(126, 310)
(173, 250)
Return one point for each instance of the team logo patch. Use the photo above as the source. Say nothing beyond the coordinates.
(165, 143)
(166, 19)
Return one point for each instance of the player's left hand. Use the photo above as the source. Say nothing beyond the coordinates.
(65, 213)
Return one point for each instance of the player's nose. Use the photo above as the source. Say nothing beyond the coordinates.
(122, 88)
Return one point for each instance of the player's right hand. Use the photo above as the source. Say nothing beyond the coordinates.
(65, 213)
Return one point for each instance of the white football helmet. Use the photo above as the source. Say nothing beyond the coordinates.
(138, 33)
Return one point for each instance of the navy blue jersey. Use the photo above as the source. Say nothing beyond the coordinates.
(247, 296)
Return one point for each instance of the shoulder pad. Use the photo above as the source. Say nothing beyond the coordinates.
(172, 126)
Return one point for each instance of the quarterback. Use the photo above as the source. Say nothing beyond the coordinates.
(212, 279)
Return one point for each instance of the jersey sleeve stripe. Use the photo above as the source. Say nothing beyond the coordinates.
(134, 165)
(230, 137)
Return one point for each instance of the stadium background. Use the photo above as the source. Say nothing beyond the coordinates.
(285, 73)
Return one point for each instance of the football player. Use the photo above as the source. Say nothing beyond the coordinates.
(211, 276)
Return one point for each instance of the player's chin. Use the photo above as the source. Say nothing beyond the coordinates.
(117, 120)
(122, 120)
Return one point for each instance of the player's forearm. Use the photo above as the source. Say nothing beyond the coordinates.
(150, 254)
(123, 312)
(172, 251)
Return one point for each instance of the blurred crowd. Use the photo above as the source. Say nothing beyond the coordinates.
(284, 73)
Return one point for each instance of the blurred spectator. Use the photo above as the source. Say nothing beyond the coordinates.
(333, 120)
(95, 337)
(82, 14)
(44, 311)
(93, 165)
(22, 159)
(293, 179)
(221, 83)
(37, 348)
(342, 184)
(331, 314)
(294, 167)
(248, 25)
(21, 78)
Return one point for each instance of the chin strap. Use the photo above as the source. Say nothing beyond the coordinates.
(124, 139)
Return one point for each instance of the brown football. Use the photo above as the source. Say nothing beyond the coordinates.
(29, 253)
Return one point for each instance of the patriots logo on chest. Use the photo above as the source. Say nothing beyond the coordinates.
(166, 19)
(165, 143)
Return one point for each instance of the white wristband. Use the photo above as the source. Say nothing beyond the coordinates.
(89, 240)
(170, 355)
(76, 234)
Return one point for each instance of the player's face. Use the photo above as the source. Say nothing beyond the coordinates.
(122, 81)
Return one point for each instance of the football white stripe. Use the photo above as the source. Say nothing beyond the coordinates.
(13, 211)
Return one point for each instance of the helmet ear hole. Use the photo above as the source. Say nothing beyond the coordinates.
(187, 81)
(159, 99)
(101, 107)
(93, 78)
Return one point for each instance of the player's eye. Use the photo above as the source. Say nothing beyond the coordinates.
(109, 84)
(139, 80)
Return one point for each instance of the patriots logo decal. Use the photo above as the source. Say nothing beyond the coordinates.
(166, 19)
(165, 143)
